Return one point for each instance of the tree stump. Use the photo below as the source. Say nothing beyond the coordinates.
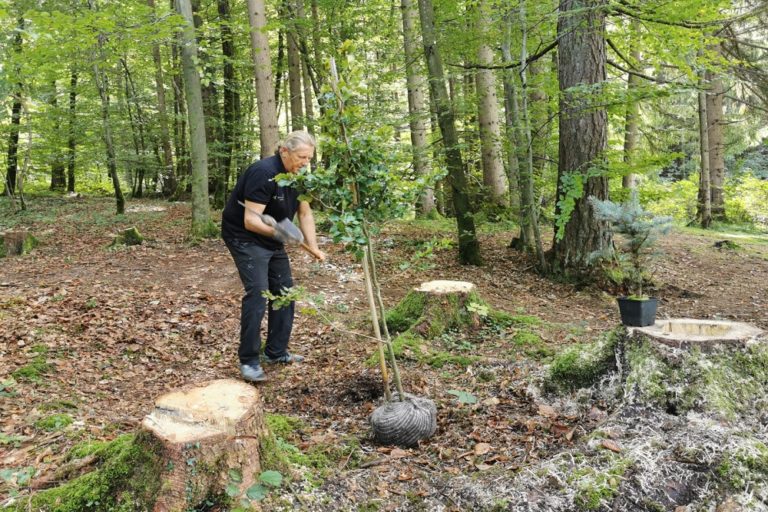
(16, 243)
(130, 236)
(435, 307)
(210, 435)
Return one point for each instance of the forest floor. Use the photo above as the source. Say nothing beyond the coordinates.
(91, 335)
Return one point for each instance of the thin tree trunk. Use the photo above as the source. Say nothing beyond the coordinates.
(583, 136)
(72, 132)
(58, 165)
(306, 78)
(704, 212)
(631, 125)
(511, 125)
(168, 175)
(494, 178)
(201, 215)
(716, 145)
(13, 133)
(417, 109)
(294, 68)
(268, 132)
(231, 101)
(139, 126)
(469, 248)
(529, 212)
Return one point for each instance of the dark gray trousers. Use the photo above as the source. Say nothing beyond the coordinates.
(262, 269)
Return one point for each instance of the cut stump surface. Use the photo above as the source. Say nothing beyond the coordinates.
(208, 433)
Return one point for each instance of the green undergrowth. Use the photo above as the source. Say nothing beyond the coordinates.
(745, 466)
(594, 486)
(125, 480)
(280, 450)
(454, 330)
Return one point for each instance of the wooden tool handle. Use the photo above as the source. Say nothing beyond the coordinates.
(312, 251)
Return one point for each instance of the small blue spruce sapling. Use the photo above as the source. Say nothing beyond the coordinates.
(639, 230)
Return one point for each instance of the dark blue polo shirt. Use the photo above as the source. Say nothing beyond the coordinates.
(257, 184)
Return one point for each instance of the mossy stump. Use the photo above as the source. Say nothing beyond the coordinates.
(130, 236)
(210, 436)
(16, 243)
(435, 307)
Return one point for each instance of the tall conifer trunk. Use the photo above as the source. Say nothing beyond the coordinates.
(716, 144)
(583, 135)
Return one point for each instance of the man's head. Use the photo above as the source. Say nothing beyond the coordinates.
(296, 150)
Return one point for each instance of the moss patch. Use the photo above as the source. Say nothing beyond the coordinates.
(581, 365)
(125, 481)
(54, 422)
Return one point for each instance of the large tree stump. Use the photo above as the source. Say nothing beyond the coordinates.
(435, 307)
(209, 434)
(16, 243)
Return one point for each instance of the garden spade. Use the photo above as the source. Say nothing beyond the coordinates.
(287, 229)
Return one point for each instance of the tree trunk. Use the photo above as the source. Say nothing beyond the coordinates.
(511, 125)
(102, 84)
(201, 215)
(631, 125)
(417, 111)
(72, 132)
(469, 248)
(583, 136)
(168, 176)
(529, 211)
(138, 126)
(306, 71)
(13, 132)
(294, 68)
(231, 100)
(704, 211)
(268, 132)
(716, 145)
(58, 166)
(494, 178)
(179, 128)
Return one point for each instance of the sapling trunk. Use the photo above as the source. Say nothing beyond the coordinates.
(380, 303)
(375, 321)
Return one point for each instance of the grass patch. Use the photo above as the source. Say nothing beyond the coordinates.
(36, 368)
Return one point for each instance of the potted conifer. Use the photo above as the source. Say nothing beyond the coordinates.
(638, 230)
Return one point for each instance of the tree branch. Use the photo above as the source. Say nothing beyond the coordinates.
(532, 58)
(627, 11)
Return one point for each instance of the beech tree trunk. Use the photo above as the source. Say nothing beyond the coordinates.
(168, 176)
(583, 136)
(201, 215)
(494, 178)
(417, 110)
(469, 248)
(268, 132)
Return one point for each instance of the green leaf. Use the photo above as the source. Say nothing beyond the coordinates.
(256, 492)
(235, 475)
(273, 478)
(463, 396)
(232, 490)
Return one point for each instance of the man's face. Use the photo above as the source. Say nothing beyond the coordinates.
(296, 159)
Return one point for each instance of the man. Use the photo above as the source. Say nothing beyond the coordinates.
(258, 251)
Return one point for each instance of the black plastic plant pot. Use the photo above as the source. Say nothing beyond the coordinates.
(637, 313)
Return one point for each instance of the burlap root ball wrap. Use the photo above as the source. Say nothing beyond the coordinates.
(404, 423)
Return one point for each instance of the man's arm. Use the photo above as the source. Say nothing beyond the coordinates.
(307, 226)
(253, 221)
